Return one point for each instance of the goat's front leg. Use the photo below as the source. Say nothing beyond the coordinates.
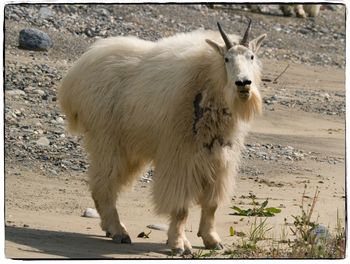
(176, 233)
(207, 230)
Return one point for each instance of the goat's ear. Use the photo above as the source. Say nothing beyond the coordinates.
(255, 44)
(217, 47)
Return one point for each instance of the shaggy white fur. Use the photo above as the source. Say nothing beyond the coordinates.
(172, 103)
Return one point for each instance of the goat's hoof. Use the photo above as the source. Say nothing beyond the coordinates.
(108, 234)
(177, 251)
(121, 239)
(217, 246)
(187, 251)
(181, 252)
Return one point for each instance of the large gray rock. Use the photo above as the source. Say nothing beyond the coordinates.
(34, 39)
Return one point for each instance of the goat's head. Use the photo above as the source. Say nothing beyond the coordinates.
(240, 60)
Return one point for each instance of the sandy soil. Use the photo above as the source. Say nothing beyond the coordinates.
(48, 224)
(43, 211)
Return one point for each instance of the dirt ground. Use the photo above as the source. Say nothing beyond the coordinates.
(43, 210)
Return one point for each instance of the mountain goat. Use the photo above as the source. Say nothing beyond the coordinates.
(300, 10)
(181, 103)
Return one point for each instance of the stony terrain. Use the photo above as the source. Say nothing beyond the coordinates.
(299, 140)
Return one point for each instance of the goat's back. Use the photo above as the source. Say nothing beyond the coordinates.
(126, 81)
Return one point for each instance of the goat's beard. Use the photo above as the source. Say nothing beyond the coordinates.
(246, 109)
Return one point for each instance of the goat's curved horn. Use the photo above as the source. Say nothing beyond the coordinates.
(225, 37)
(245, 40)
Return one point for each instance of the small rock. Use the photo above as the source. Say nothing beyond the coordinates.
(91, 213)
(59, 120)
(34, 39)
(160, 227)
(43, 141)
(39, 92)
(325, 95)
(38, 124)
(103, 12)
(54, 172)
(304, 31)
(45, 12)
(277, 28)
(339, 94)
(197, 7)
(321, 232)
(15, 92)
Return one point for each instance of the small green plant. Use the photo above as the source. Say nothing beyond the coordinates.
(202, 254)
(261, 211)
(284, 235)
(309, 243)
(258, 231)
(245, 249)
(304, 227)
(312, 240)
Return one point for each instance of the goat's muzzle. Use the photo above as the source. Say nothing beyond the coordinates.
(243, 89)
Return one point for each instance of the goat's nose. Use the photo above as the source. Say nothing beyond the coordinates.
(242, 83)
(243, 88)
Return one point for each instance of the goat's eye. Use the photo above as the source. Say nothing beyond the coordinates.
(252, 57)
(226, 59)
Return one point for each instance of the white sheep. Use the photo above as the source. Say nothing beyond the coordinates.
(181, 103)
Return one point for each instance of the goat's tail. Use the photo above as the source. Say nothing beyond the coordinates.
(73, 124)
(67, 106)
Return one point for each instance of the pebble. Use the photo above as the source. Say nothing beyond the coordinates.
(45, 12)
(59, 120)
(17, 112)
(160, 227)
(15, 92)
(43, 141)
(339, 94)
(39, 92)
(321, 232)
(325, 95)
(54, 172)
(91, 213)
(34, 39)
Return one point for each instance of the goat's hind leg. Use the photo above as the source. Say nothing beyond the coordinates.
(105, 186)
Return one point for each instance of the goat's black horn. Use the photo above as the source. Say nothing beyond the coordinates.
(245, 40)
(225, 37)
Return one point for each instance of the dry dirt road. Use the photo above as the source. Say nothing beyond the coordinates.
(43, 214)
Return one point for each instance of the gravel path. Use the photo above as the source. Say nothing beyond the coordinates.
(34, 127)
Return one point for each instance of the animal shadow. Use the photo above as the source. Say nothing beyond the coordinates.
(76, 246)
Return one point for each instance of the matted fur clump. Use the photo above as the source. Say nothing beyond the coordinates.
(182, 103)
